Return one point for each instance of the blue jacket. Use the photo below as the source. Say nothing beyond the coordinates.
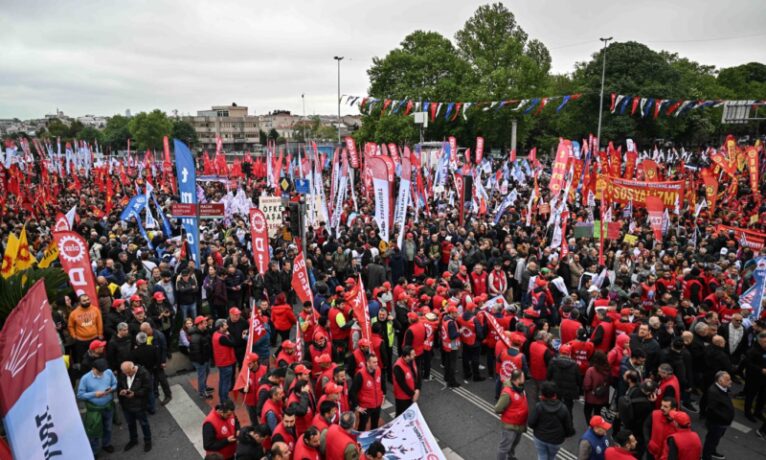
(598, 444)
(90, 384)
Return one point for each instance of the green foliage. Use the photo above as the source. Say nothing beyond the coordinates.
(183, 130)
(116, 132)
(57, 128)
(148, 129)
(273, 135)
(13, 289)
(91, 135)
(262, 137)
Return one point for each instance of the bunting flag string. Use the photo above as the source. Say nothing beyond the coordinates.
(450, 110)
(643, 106)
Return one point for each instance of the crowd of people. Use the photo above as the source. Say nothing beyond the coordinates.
(649, 337)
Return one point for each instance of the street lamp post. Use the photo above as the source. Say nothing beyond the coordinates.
(338, 58)
(601, 97)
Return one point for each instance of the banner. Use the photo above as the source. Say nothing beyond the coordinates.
(655, 209)
(747, 238)
(73, 254)
(754, 295)
(710, 181)
(650, 170)
(402, 201)
(623, 191)
(39, 411)
(133, 209)
(187, 187)
(406, 437)
(272, 209)
(256, 330)
(559, 168)
(9, 259)
(381, 189)
(358, 300)
(50, 255)
(259, 238)
(479, 149)
(752, 166)
(300, 281)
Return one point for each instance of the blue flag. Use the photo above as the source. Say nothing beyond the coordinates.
(187, 188)
(134, 207)
(754, 295)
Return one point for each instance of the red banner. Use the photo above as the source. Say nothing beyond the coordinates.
(630, 164)
(711, 188)
(73, 254)
(496, 328)
(62, 224)
(655, 208)
(719, 159)
(479, 149)
(615, 161)
(300, 282)
(752, 166)
(748, 238)
(650, 168)
(559, 168)
(624, 191)
(452, 149)
(358, 300)
(259, 236)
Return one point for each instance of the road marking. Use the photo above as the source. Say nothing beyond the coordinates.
(485, 406)
(387, 405)
(187, 415)
(450, 454)
(740, 427)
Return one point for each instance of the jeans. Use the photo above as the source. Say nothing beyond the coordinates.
(546, 450)
(508, 442)
(713, 437)
(106, 436)
(189, 311)
(131, 417)
(225, 375)
(203, 370)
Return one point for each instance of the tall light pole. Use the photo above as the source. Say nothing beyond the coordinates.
(338, 58)
(601, 97)
(303, 124)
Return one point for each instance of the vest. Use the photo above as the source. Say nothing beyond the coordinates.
(289, 359)
(302, 422)
(251, 397)
(447, 344)
(304, 452)
(648, 294)
(371, 394)
(507, 364)
(598, 444)
(418, 331)
(569, 329)
(537, 367)
(608, 337)
(326, 373)
(687, 290)
(430, 327)
(669, 382)
(336, 332)
(467, 331)
(336, 442)
(269, 405)
(409, 377)
(688, 445)
(618, 453)
(661, 429)
(222, 356)
(517, 411)
(287, 437)
(320, 423)
(581, 352)
(625, 327)
(223, 429)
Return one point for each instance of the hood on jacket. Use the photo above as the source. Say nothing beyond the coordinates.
(551, 405)
(622, 339)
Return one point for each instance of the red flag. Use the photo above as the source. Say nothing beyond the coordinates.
(636, 100)
(479, 149)
(259, 236)
(512, 155)
(752, 165)
(358, 300)
(73, 254)
(434, 106)
(256, 331)
(630, 164)
(611, 107)
(408, 109)
(300, 281)
(710, 181)
(650, 170)
(655, 208)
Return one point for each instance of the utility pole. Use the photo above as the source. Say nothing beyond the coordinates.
(303, 124)
(338, 58)
(601, 97)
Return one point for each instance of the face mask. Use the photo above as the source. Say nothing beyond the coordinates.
(86, 305)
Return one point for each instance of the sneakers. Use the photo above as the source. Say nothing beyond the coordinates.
(481, 367)
(718, 456)
(130, 445)
(166, 400)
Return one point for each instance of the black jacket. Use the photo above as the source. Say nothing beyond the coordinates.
(200, 346)
(113, 318)
(146, 356)
(247, 448)
(641, 409)
(551, 421)
(716, 359)
(141, 388)
(755, 363)
(719, 410)
(681, 363)
(566, 374)
(118, 350)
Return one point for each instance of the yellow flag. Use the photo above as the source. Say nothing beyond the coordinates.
(51, 254)
(9, 259)
(24, 258)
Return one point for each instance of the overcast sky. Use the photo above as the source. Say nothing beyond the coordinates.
(102, 57)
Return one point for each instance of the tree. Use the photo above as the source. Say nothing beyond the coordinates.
(263, 138)
(117, 133)
(273, 135)
(183, 130)
(148, 129)
(13, 288)
(91, 135)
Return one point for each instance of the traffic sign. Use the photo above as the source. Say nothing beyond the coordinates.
(211, 210)
(183, 210)
(302, 186)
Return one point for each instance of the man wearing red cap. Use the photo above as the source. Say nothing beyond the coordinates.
(415, 337)
(286, 355)
(514, 411)
(116, 315)
(200, 354)
(471, 335)
(257, 371)
(594, 442)
(340, 328)
(223, 358)
(684, 444)
(450, 339)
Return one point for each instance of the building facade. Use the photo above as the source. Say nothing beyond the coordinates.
(239, 131)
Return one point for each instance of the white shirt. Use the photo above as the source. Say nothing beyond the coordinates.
(735, 336)
(127, 290)
(130, 379)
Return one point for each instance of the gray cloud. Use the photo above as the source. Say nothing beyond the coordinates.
(104, 57)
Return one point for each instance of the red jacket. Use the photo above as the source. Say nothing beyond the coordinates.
(336, 442)
(304, 452)
(618, 453)
(661, 429)
(688, 445)
(223, 429)
(517, 411)
(669, 382)
(581, 352)
(478, 283)
(538, 368)
(593, 380)
(222, 355)
(283, 317)
(569, 328)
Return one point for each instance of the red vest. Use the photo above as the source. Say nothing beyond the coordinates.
(326, 373)
(287, 437)
(371, 394)
(569, 329)
(687, 443)
(661, 429)
(251, 397)
(289, 359)
(223, 429)
(517, 410)
(418, 332)
(431, 328)
(506, 364)
(445, 335)
(492, 338)
(618, 453)
(607, 340)
(672, 381)
(478, 283)
(302, 422)
(270, 406)
(499, 281)
(304, 452)
(581, 352)
(336, 332)
(315, 353)
(308, 334)
(625, 327)
(686, 293)
(537, 367)
(320, 423)
(467, 331)
(336, 442)
(409, 377)
(222, 356)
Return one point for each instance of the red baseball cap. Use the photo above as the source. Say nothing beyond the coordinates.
(235, 311)
(137, 310)
(96, 344)
(412, 316)
(199, 319)
(118, 302)
(598, 421)
(364, 342)
(565, 350)
(332, 388)
(446, 275)
(324, 359)
(350, 280)
(387, 285)
(339, 289)
(135, 298)
(288, 344)
(140, 282)
(424, 298)
(681, 418)
(452, 309)
(301, 369)
(159, 296)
